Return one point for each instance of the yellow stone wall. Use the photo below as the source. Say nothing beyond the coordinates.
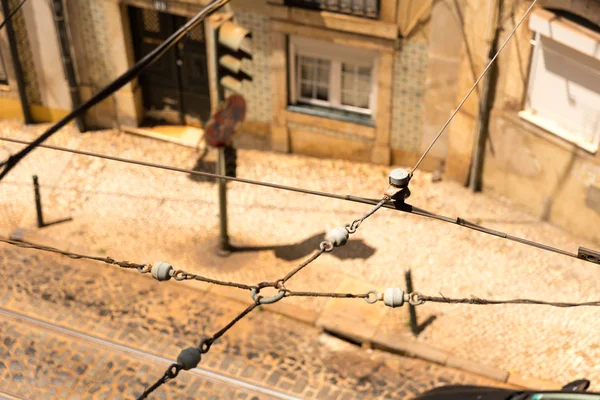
(537, 170)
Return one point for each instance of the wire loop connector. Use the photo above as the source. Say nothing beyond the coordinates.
(415, 299)
(266, 300)
(161, 271)
(372, 297)
(338, 236)
(180, 275)
(145, 268)
(326, 246)
(205, 345)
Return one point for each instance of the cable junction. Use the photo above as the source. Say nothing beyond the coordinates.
(393, 198)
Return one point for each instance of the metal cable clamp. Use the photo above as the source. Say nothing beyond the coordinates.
(266, 300)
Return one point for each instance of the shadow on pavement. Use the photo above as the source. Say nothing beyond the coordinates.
(354, 249)
(204, 166)
(422, 326)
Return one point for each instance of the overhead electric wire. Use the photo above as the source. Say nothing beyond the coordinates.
(115, 85)
(123, 264)
(12, 13)
(464, 100)
(485, 302)
(191, 172)
(390, 205)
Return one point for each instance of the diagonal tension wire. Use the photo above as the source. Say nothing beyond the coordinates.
(464, 100)
(169, 374)
(118, 83)
(390, 205)
(12, 13)
(174, 369)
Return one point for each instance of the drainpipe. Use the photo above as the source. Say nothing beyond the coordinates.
(12, 41)
(487, 97)
(67, 59)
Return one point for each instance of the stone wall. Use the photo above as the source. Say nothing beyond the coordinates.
(26, 57)
(536, 169)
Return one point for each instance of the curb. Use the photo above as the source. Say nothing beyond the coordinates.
(394, 344)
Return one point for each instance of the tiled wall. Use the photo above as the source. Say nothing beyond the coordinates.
(25, 57)
(410, 72)
(311, 128)
(258, 92)
(98, 71)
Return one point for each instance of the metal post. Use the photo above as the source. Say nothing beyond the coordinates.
(224, 246)
(411, 309)
(38, 202)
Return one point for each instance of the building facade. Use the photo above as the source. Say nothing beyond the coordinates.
(542, 130)
(340, 78)
(365, 80)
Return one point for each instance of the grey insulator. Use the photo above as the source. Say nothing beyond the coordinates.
(338, 236)
(399, 177)
(189, 358)
(393, 297)
(161, 271)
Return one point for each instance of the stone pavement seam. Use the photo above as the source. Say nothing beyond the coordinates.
(396, 345)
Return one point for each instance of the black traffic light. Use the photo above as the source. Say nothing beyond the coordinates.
(230, 160)
(233, 46)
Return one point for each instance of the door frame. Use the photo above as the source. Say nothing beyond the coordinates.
(179, 9)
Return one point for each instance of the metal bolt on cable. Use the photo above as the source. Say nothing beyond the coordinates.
(398, 189)
(162, 271)
(338, 236)
(399, 177)
(189, 358)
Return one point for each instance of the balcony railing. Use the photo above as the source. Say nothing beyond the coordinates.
(359, 8)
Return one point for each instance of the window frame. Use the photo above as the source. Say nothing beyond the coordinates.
(336, 6)
(543, 23)
(337, 55)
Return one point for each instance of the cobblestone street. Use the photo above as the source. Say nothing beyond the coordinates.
(140, 214)
(104, 308)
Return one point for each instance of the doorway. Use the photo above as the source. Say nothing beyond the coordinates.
(175, 89)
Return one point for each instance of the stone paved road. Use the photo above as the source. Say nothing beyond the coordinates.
(126, 308)
(143, 214)
(42, 362)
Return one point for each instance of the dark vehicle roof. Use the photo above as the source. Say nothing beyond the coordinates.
(467, 393)
(458, 392)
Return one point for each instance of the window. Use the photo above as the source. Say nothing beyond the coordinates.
(3, 75)
(328, 75)
(361, 8)
(563, 96)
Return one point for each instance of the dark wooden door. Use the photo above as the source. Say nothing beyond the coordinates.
(194, 72)
(176, 85)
